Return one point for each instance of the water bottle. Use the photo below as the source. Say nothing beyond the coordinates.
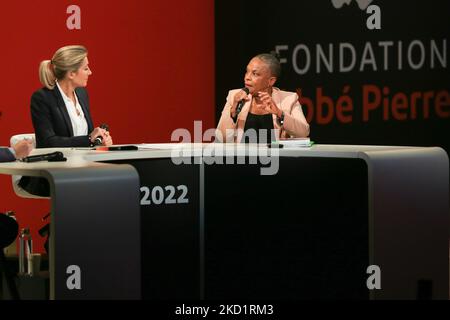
(25, 250)
(11, 250)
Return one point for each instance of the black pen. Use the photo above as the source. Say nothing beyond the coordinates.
(275, 145)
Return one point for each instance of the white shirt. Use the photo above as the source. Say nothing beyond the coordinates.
(79, 123)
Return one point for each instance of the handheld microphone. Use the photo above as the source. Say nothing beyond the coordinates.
(54, 156)
(242, 102)
(99, 140)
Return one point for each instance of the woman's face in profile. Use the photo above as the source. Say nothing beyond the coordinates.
(258, 76)
(81, 76)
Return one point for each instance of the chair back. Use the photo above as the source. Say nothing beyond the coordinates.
(18, 137)
(16, 179)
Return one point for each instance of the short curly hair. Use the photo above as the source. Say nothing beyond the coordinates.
(272, 61)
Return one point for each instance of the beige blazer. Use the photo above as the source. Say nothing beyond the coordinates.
(295, 124)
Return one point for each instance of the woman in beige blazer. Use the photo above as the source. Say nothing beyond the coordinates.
(265, 107)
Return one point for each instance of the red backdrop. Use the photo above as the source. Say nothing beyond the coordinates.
(152, 63)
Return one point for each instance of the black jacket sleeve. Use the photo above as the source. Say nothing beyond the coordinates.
(6, 155)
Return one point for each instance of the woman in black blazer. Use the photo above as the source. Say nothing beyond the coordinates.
(60, 110)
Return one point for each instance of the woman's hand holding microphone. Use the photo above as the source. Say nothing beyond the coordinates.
(101, 137)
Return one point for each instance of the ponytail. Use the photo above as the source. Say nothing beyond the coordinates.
(46, 75)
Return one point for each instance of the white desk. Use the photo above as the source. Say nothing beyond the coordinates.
(408, 206)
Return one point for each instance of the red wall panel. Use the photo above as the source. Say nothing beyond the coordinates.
(152, 63)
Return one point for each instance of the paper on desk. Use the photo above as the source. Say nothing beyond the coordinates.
(164, 146)
(296, 142)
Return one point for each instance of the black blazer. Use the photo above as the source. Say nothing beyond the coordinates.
(51, 120)
(6, 155)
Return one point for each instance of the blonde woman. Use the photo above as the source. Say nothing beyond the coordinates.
(60, 110)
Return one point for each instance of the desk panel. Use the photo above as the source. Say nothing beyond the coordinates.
(299, 234)
(170, 228)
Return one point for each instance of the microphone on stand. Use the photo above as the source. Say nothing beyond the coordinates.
(54, 156)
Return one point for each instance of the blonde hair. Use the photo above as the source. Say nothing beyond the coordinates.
(65, 59)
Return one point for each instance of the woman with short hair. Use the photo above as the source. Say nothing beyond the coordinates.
(269, 112)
